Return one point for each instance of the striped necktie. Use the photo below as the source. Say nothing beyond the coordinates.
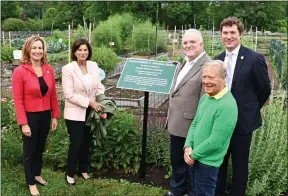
(229, 61)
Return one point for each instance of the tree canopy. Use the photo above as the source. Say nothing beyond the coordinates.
(270, 15)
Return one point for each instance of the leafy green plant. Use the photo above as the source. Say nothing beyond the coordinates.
(11, 139)
(18, 43)
(105, 57)
(121, 147)
(57, 58)
(57, 146)
(6, 52)
(158, 148)
(55, 47)
(268, 154)
(177, 58)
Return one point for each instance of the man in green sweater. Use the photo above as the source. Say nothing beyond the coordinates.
(210, 132)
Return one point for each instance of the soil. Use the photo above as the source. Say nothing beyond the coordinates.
(154, 176)
(272, 75)
(123, 93)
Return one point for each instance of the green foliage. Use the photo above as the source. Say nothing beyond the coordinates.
(18, 43)
(121, 147)
(278, 54)
(57, 34)
(79, 33)
(57, 146)
(268, 154)
(105, 57)
(10, 10)
(6, 52)
(158, 148)
(11, 139)
(116, 29)
(13, 24)
(13, 183)
(55, 47)
(177, 58)
(143, 39)
(58, 58)
(34, 24)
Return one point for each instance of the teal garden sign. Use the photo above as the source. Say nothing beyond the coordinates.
(147, 75)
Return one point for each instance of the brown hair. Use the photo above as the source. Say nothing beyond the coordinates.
(231, 21)
(77, 44)
(27, 49)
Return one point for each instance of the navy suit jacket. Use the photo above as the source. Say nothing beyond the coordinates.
(250, 88)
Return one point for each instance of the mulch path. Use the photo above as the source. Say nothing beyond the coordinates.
(154, 176)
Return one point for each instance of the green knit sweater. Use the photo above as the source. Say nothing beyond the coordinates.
(211, 130)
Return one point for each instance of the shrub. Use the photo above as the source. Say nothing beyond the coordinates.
(6, 52)
(11, 139)
(177, 58)
(13, 24)
(105, 32)
(121, 147)
(158, 148)
(118, 29)
(105, 57)
(143, 39)
(268, 154)
(78, 33)
(34, 24)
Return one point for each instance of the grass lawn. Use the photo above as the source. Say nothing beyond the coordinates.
(13, 183)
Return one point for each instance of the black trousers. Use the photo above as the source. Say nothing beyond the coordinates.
(79, 148)
(179, 182)
(239, 149)
(33, 147)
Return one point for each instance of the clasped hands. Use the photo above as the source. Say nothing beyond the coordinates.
(187, 155)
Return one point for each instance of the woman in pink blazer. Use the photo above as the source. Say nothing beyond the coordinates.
(81, 84)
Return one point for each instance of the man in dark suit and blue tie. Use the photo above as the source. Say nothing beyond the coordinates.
(247, 79)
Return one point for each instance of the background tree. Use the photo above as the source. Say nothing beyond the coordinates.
(10, 10)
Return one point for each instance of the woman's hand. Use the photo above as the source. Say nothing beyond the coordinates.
(54, 124)
(96, 106)
(26, 130)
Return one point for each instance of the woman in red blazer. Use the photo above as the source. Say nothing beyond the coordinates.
(35, 100)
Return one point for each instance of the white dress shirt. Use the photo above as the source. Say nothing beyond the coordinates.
(188, 65)
(232, 63)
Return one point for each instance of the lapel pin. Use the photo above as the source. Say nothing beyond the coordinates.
(242, 57)
(48, 72)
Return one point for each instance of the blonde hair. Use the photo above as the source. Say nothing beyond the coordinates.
(27, 48)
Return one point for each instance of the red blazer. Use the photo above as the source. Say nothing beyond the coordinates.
(27, 95)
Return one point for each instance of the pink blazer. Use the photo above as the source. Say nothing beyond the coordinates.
(77, 96)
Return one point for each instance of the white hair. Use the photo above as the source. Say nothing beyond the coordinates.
(193, 31)
(219, 65)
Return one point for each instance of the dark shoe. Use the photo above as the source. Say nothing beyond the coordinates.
(45, 184)
(70, 184)
(168, 194)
